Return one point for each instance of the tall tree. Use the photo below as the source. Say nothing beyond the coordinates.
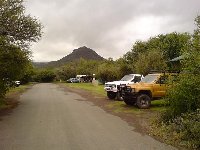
(184, 96)
(17, 31)
(170, 46)
(17, 27)
(151, 60)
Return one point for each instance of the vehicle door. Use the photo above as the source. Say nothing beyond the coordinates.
(160, 86)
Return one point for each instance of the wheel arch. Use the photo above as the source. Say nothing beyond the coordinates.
(147, 92)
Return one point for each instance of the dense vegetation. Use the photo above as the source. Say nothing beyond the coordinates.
(181, 121)
(17, 31)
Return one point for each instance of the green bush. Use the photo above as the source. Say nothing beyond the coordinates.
(184, 96)
(108, 71)
(184, 130)
(44, 76)
(181, 121)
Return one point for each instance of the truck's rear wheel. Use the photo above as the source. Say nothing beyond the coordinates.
(111, 95)
(129, 101)
(143, 101)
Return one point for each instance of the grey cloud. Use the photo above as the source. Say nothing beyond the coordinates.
(101, 24)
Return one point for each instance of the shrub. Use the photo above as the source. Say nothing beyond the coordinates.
(184, 96)
(183, 130)
(44, 76)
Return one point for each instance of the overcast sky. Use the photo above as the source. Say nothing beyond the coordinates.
(110, 27)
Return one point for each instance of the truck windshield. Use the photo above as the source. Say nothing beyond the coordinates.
(127, 78)
(150, 78)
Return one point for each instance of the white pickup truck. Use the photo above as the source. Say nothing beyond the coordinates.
(113, 88)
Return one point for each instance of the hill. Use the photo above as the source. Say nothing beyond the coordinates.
(82, 52)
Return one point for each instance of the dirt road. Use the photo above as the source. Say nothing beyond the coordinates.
(49, 118)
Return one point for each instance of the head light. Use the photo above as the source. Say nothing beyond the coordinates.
(128, 89)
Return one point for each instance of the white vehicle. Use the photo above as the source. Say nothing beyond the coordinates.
(113, 88)
(80, 77)
(17, 83)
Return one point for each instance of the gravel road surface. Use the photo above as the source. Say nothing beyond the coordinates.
(49, 118)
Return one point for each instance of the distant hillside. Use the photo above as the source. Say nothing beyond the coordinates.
(82, 52)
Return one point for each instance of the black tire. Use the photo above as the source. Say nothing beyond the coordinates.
(111, 95)
(129, 101)
(119, 97)
(143, 101)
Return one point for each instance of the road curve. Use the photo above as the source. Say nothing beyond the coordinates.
(49, 118)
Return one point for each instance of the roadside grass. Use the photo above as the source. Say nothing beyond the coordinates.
(118, 106)
(159, 105)
(96, 89)
(12, 91)
(2, 104)
(21, 88)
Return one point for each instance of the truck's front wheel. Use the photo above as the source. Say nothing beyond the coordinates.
(143, 101)
(111, 95)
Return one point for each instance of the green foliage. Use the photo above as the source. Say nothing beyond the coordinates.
(97, 89)
(13, 61)
(108, 71)
(27, 75)
(184, 96)
(169, 46)
(3, 89)
(17, 31)
(87, 67)
(138, 48)
(18, 28)
(188, 126)
(183, 130)
(82, 66)
(191, 62)
(182, 117)
(124, 67)
(66, 72)
(44, 76)
(151, 60)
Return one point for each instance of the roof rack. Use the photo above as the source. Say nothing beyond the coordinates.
(164, 71)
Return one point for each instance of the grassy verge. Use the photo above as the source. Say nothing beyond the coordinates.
(118, 106)
(2, 104)
(12, 93)
(96, 89)
(19, 89)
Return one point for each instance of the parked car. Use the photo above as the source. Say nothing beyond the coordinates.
(73, 80)
(84, 78)
(113, 88)
(152, 87)
(17, 83)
